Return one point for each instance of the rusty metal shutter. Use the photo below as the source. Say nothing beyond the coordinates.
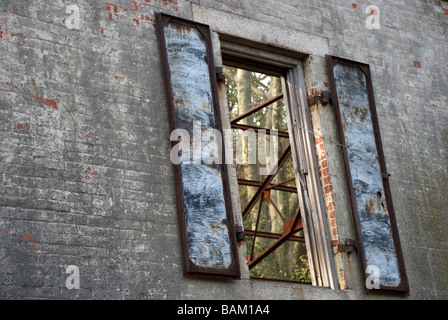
(368, 182)
(203, 195)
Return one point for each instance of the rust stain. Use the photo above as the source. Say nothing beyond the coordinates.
(32, 200)
(46, 102)
(266, 195)
(370, 207)
(206, 106)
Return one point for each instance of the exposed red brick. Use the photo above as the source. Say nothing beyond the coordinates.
(354, 5)
(47, 102)
(324, 164)
(416, 64)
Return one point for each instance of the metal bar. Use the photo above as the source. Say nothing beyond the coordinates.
(252, 183)
(256, 228)
(275, 245)
(256, 129)
(276, 209)
(280, 183)
(256, 108)
(266, 181)
(271, 235)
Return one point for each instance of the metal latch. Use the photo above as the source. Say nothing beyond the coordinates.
(220, 74)
(240, 234)
(349, 246)
(323, 97)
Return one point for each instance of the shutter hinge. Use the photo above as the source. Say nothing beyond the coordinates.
(240, 234)
(220, 74)
(323, 97)
(349, 246)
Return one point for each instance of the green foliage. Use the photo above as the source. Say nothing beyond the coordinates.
(289, 261)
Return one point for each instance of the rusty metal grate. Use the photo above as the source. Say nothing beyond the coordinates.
(263, 198)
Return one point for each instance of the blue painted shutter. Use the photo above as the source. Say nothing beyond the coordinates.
(370, 196)
(203, 196)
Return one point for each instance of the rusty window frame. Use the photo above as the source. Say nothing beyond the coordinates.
(332, 62)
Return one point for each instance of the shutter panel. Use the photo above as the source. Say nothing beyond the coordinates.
(203, 196)
(311, 199)
(370, 196)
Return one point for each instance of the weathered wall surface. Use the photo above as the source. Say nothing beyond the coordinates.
(86, 177)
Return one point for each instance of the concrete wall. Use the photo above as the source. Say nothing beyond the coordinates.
(86, 178)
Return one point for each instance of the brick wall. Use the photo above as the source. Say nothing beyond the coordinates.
(86, 178)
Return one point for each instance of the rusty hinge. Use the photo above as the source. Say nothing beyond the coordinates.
(240, 234)
(220, 74)
(349, 246)
(323, 97)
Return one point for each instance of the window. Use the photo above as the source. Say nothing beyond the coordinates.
(283, 208)
(268, 192)
(205, 212)
(307, 225)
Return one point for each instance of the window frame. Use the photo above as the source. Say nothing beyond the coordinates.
(289, 66)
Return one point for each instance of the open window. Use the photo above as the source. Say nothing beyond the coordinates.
(282, 203)
(286, 195)
(268, 193)
(283, 210)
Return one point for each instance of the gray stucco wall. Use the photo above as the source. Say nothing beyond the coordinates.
(86, 177)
